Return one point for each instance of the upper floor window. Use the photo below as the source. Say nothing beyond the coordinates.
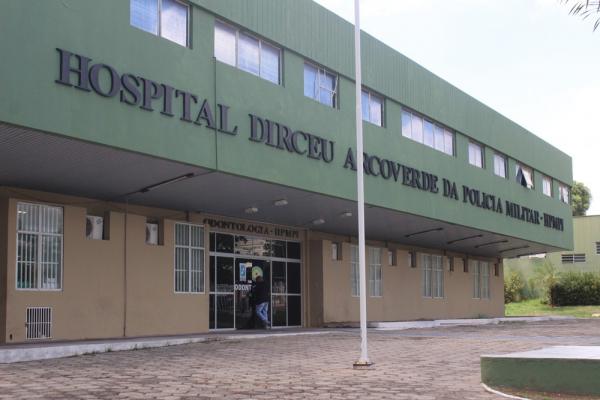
(372, 108)
(423, 131)
(500, 165)
(563, 193)
(247, 53)
(39, 247)
(475, 154)
(547, 186)
(524, 176)
(166, 18)
(320, 85)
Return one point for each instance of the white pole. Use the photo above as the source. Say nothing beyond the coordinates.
(364, 357)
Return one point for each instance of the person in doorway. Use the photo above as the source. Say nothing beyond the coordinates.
(260, 296)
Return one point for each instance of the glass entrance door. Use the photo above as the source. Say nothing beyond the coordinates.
(246, 272)
(235, 261)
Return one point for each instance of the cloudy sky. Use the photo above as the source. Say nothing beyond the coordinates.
(528, 59)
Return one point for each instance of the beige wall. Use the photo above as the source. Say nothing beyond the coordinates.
(153, 307)
(114, 287)
(92, 303)
(402, 298)
(122, 286)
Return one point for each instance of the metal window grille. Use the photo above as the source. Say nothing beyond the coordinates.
(375, 272)
(432, 276)
(597, 247)
(39, 247)
(573, 258)
(189, 258)
(38, 323)
(474, 266)
(354, 273)
(485, 279)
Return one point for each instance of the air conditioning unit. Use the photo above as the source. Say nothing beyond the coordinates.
(152, 234)
(94, 227)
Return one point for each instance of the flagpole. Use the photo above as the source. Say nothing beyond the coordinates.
(363, 361)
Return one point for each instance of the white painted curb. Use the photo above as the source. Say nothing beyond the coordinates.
(506, 396)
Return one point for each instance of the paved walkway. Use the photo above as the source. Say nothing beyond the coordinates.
(440, 363)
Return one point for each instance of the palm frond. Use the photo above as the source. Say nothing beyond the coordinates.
(585, 9)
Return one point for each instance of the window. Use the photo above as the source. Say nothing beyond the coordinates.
(392, 262)
(243, 51)
(564, 193)
(375, 288)
(547, 186)
(189, 258)
(524, 176)
(335, 251)
(426, 132)
(433, 276)
(500, 165)
(320, 85)
(166, 18)
(573, 258)
(475, 155)
(597, 247)
(481, 279)
(354, 274)
(39, 247)
(372, 108)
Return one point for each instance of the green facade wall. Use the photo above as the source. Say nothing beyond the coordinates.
(305, 31)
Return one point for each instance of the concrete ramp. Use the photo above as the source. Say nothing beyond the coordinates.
(558, 369)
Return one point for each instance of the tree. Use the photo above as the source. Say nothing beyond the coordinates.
(585, 9)
(580, 199)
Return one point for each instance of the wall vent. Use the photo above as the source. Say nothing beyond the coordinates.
(39, 323)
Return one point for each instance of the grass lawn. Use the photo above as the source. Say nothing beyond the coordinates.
(531, 308)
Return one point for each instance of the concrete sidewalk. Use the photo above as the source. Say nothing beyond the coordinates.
(49, 350)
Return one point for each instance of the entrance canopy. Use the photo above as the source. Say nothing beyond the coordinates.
(41, 161)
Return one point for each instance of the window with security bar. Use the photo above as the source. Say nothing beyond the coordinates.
(189, 258)
(354, 273)
(433, 276)
(375, 272)
(481, 279)
(39, 247)
(573, 258)
(597, 247)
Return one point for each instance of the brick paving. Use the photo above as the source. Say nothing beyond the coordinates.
(421, 364)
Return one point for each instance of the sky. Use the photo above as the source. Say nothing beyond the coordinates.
(527, 59)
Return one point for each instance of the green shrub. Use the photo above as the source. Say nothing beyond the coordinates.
(576, 289)
(513, 286)
(546, 275)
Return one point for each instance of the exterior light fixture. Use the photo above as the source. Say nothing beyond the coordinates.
(319, 221)
(491, 243)
(167, 182)
(346, 214)
(465, 238)
(280, 203)
(423, 232)
(251, 210)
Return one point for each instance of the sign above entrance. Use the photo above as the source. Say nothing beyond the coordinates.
(259, 229)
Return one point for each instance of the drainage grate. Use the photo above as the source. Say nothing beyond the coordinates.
(39, 322)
